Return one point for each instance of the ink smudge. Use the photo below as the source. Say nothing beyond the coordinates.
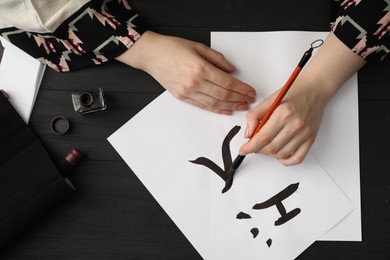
(269, 242)
(255, 232)
(243, 215)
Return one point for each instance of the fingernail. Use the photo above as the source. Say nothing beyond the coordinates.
(241, 152)
(243, 107)
(247, 132)
(230, 63)
(252, 94)
(226, 112)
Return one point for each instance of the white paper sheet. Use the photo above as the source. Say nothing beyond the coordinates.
(159, 143)
(265, 60)
(20, 77)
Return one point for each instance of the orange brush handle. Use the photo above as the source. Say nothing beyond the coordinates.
(278, 99)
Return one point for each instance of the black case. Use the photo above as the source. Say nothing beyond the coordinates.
(29, 181)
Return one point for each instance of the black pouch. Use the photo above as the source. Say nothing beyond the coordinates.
(30, 183)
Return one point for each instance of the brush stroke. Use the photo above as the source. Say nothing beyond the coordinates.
(243, 215)
(255, 232)
(226, 156)
(277, 201)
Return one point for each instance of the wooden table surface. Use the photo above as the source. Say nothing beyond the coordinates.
(112, 215)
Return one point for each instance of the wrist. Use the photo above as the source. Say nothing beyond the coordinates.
(312, 89)
(137, 55)
(332, 65)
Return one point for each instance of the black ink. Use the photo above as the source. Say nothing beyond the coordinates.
(226, 156)
(269, 242)
(277, 201)
(211, 165)
(255, 232)
(243, 215)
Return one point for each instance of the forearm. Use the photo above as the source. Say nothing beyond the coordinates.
(363, 26)
(292, 128)
(332, 65)
(143, 51)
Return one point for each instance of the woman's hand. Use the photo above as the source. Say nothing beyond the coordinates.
(192, 72)
(292, 128)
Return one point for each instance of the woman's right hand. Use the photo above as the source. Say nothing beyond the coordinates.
(292, 128)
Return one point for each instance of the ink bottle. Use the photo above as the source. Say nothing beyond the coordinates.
(88, 101)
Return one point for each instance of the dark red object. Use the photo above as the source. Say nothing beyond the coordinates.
(73, 156)
(66, 164)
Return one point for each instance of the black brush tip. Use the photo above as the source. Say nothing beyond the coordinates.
(229, 180)
(232, 170)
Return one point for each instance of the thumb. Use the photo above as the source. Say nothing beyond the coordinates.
(254, 116)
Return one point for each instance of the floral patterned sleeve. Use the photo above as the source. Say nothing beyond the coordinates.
(96, 33)
(363, 25)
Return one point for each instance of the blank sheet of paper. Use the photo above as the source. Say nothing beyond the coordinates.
(271, 211)
(265, 60)
(20, 77)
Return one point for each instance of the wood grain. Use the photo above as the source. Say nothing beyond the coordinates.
(112, 215)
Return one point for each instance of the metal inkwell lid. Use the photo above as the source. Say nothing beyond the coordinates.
(59, 125)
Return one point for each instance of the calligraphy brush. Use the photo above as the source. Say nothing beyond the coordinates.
(237, 162)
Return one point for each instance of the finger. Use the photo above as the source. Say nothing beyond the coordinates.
(223, 94)
(216, 58)
(254, 116)
(290, 144)
(291, 135)
(228, 82)
(299, 155)
(202, 106)
(262, 139)
(215, 103)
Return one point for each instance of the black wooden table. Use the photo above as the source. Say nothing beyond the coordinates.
(112, 215)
